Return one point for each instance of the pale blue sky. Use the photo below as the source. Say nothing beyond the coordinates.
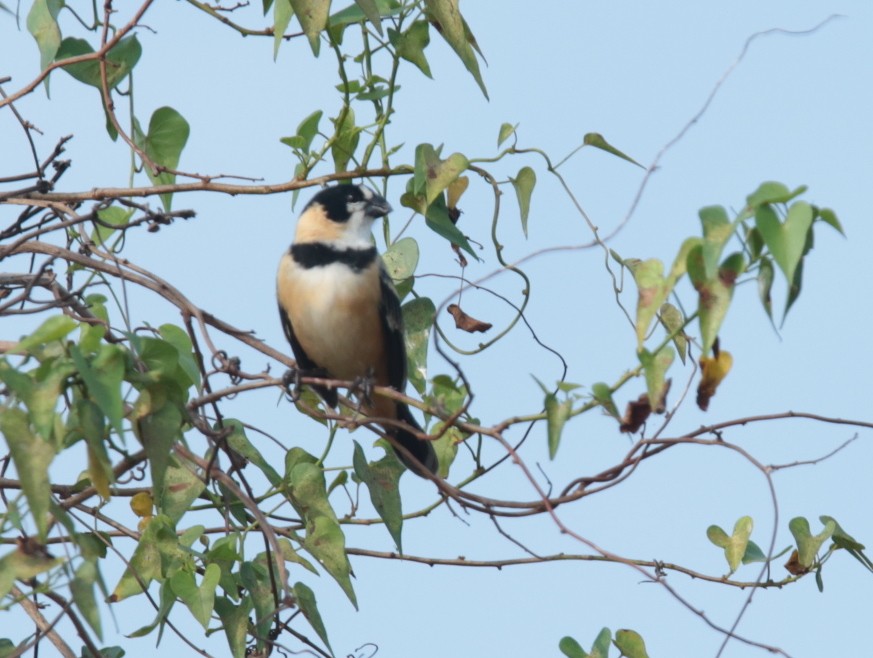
(797, 109)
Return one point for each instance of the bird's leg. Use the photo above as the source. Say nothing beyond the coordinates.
(362, 388)
(291, 383)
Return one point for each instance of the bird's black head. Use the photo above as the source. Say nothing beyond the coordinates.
(342, 202)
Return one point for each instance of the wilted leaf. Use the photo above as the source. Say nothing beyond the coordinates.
(465, 322)
(636, 413)
(712, 371)
(652, 291)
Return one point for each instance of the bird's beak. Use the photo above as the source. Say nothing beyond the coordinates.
(378, 207)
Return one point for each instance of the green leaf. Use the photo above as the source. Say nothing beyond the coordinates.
(324, 538)
(524, 184)
(433, 175)
(167, 135)
(735, 545)
(570, 648)
(401, 259)
(603, 394)
(371, 9)
(773, 192)
(312, 15)
(829, 217)
(786, 241)
(418, 318)
(410, 44)
(347, 137)
(235, 621)
(119, 61)
(156, 553)
(597, 141)
(557, 414)
(157, 422)
(446, 17)
(383, 482)
(600, 648)
(753, 554)
(438, 220)
(717, 230)
(282, 13)
(714, 295)
(655, 367)
(53, 329)
(31, 456)
(82, 590)
(305, 599)
(306, 132)
(21, 564)
(255, 576)
(239, 442)
(111, 219)
(765, 285)
(844, 540)
(182, 486)
(42, 23)
(199, 599)
(506, 131)
(93, 429)
(180, 340)
(808, 544)
(355, 14)
(673, 321)
(652, 291)
(630, 643)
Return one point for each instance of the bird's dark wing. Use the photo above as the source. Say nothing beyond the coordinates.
(392, 333)
(395, 354)
(304, 363)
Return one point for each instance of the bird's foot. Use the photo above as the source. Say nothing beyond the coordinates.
(362, 388)
(291, 383)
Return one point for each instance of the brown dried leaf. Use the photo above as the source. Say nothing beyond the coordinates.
(465, 322)
(635, 414)
(793, 565)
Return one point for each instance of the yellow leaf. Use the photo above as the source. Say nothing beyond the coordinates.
(713, 371)
(142, 504)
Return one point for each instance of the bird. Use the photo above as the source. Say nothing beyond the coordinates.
(341, 314)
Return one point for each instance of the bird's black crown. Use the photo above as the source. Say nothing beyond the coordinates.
(336, 200)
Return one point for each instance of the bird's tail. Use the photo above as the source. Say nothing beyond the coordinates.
(423, 454)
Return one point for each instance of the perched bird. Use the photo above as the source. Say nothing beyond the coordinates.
(340, 311)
